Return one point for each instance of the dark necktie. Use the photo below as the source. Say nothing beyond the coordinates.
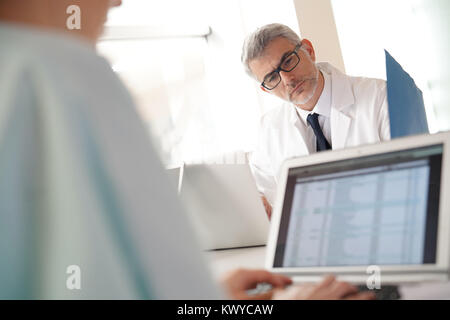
(322, 143)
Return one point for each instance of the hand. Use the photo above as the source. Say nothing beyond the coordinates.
(267, 206)
(237, 283)
(328, 289)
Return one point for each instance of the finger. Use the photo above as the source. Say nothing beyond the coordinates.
(367, 295)
(342, 289)
(254, 277)
(281, 281)
(295, 292)
(326, 282)
(262, 296)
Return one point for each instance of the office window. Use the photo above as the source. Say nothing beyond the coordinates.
(181, 61)
(159, 53)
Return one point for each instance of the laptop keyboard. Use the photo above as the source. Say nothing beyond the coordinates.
(384, 293)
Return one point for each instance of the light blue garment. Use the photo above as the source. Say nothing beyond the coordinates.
(80, 183)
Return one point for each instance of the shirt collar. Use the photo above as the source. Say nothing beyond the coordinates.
(323, 106)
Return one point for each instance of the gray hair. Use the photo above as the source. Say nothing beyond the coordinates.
(257, 42)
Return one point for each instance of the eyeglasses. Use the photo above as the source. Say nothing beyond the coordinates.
(273, 79)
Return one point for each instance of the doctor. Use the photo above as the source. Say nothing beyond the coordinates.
(324, 108)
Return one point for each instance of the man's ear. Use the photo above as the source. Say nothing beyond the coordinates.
(307, 45)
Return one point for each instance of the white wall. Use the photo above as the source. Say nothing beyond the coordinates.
(316, 23)
(433, 19)
(415, 32)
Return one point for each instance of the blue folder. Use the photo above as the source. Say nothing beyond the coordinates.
(406, 107)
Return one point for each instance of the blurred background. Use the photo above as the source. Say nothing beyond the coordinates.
(181, 61)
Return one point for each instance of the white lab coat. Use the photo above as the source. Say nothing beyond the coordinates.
(359, 115)
(81, 185)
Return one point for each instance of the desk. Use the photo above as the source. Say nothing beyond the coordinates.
(253, 258)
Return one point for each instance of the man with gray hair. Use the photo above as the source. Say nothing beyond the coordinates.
(324, 108)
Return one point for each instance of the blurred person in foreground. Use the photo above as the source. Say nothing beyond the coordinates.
(81, 187)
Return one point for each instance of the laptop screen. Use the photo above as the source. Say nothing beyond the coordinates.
(373, 210)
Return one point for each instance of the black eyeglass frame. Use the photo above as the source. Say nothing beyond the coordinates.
(277, 70)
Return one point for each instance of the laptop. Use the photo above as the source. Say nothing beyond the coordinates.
(381, 207)
(225, 206)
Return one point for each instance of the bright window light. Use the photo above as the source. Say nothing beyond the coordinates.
(181, 61)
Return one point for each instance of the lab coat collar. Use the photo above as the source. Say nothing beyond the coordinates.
(342, 99)
(341, 89)
(341, 113)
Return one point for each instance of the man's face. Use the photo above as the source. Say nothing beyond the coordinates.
(297, 86)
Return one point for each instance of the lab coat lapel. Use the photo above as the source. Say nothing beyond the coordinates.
(340, 124)
(342, 101)
(299, 146)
